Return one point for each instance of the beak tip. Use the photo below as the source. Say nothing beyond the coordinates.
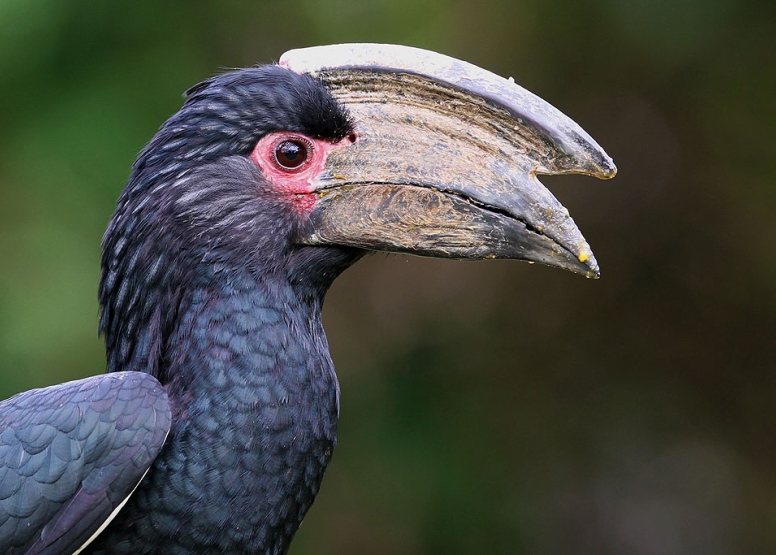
(607, 169)
(589, 263)
(593, 273)
(597, 163)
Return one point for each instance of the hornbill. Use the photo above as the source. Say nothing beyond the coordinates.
(213, 426)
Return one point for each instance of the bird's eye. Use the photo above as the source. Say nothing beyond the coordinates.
(291, 154)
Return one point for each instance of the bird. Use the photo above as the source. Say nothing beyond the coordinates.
(213, 426)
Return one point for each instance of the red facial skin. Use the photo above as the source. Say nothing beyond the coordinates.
(299, 183)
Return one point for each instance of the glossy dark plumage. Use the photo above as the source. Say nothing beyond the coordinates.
(73, 451)
(227, 316)
(201, 289)
(187, 204)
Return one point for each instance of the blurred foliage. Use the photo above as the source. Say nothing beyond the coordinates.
(489, 407)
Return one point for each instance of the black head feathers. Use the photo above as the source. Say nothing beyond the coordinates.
(190, 209)
(227, 114)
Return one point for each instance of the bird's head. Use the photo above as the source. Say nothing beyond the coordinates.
(296, 169)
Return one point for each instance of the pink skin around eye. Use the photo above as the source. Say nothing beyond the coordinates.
(298, 183)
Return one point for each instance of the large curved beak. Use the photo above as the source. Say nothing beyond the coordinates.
(445, 160)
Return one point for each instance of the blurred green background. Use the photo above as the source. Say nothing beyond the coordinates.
(486, 407)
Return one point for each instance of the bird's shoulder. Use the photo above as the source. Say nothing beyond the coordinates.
(71, 454)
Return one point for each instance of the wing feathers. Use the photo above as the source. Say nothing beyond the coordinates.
(71, 454)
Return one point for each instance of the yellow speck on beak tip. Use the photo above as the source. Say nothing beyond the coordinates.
(583, 257)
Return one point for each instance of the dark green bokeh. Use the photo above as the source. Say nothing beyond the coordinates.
(486, 407)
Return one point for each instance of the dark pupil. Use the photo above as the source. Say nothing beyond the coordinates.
(290, 154)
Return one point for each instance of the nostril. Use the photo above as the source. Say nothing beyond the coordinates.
(352, 137)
